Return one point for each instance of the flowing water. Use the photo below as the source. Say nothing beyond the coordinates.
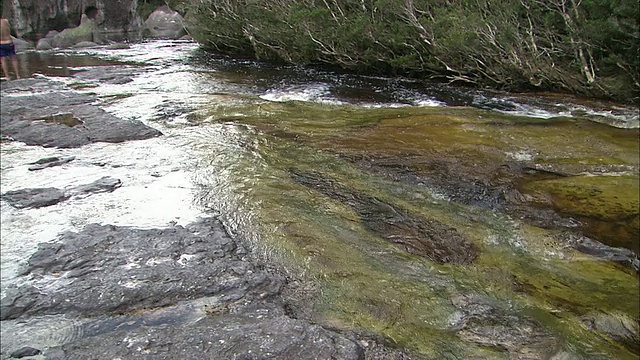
(394, 196)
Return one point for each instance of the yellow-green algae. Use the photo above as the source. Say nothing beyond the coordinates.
(610, 200)
(367, 283)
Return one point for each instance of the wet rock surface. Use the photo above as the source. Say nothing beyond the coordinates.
(127, 286)
(257, 333)
(35, 118)
(50, 162)
(25, 351)
(496, 187)
(114, 271)
(486, 323)
(40, 197)
(595, 248)
(194, 291)
(110, 269)
(489, 186)
(618, 327)
(417, 235)
(34, 198)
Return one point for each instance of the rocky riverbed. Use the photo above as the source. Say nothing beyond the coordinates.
(176, 291)
(155, 206)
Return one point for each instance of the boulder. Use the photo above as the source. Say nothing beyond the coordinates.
(51, 34)
(166, 23)
(72, 36)
(44, 44)
(112, 17)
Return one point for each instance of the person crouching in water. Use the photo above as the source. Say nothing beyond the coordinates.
(7, 49)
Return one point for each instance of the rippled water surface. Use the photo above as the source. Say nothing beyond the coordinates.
(322, 171)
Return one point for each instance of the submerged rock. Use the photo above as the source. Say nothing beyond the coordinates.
(415, 234)
(486, 323)
(618, 327)
(599, 250)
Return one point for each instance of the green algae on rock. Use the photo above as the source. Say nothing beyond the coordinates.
(324, 177)
(607, 204)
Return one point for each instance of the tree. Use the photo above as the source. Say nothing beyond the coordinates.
(586, 47)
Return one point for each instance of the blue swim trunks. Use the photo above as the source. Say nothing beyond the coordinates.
(7, 50)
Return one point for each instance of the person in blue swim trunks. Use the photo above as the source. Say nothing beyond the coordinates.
(7, 49)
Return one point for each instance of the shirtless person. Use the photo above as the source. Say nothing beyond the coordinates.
(7, 49)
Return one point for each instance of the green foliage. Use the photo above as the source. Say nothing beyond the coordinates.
(588, 47)
(145, 9)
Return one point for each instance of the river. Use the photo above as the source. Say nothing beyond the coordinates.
(400, 200)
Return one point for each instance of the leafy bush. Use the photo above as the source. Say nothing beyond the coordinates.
(586, 47)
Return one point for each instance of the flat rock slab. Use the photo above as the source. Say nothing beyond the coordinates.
(106, 270)
(46, 113)
(130, 275)
(41, 197)
(260, 333)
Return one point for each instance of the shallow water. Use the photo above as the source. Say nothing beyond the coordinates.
(305, 163)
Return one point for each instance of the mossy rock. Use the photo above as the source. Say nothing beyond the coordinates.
(69, 37)
(606, 204)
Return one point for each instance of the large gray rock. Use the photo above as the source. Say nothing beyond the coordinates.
(260, 333)
(34, 198)
(118, 19)
(44, 44)
(617, 326)
(62, 118)
(166, 23)
(86, 32)
(106, 269)
(485, 322)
